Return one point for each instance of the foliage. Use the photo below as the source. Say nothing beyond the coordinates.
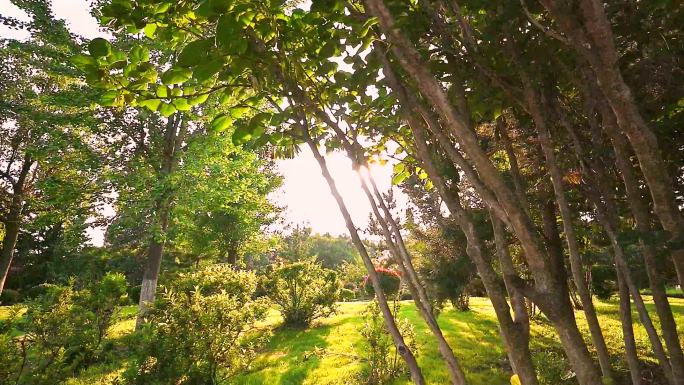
(390, 281)
(352, 276)
(332, 252)
(380, 353)
(63, 331)
(303, 291)
(50, 179)
(10, 297)
(202, 329)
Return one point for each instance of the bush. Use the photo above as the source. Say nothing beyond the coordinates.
(390, 281)
(9, 297)
(347, 295)
(380, 354)
(62, 332)
(304, 291)
(201, 330)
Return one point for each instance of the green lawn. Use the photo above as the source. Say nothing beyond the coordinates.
(288, 358)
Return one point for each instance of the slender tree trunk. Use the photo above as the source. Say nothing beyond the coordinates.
(641, 217)
(13, 221)
(592, 38)
(514, 335)
(534, 105)
(404, 351)
(628, 331)
(422, 302)
(607, 216)
(552, 295)
(8, 245)
(152, 266)
(521, 317)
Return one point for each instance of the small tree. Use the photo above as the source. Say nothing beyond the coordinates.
(390, 281)
(202, 329)
(380, 353)
(63, 331)
(304, 291)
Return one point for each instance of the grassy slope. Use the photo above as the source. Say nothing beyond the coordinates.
(288, 358)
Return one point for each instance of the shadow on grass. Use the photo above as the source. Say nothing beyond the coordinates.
(290, 355)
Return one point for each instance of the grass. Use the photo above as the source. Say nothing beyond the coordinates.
(290, 358)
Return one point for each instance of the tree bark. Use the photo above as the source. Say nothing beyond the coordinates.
(404, 351)
(606, 213)
(599, 194)
(152, 266)
(628, 331)
(534, 104)
(13, 221)
(514, 335)
(592, 37)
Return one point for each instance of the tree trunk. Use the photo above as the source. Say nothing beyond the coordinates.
(152, 265)
(592, 38)
(404, 351)
(628, 331)
(534, 104)
(400, 253)
(514, 335)
(548, 294)
(607, 216)
(521, 317)
(13, 221)
(8, 245)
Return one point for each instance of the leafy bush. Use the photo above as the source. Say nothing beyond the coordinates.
(62, 332)
(380, 354)
(352, 276)
(304, 291)
(390, 281)
(9, 297)
(201, 330)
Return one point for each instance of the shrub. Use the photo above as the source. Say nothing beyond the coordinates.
(351, 275)
(380, 354)
(9, 297)
(303, 291)
(201, 330)
(62, 331)
(390, 281)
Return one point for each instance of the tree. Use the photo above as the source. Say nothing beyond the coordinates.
(48, 154)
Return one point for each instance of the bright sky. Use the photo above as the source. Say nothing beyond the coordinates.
(304, 192)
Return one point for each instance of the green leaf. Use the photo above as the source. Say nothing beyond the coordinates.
(176, 76)
(221, 123)
(109, 98)
(198, 99)
(151, 104)
(195, 53)
(139, 54)
(99, 47)
(238, 111)
(181, 105)
(167, 109)
(242, 135)
(150, 30)
(162, 92)
(83, 61)
(207, 70)
(229, 34)
(398, 178)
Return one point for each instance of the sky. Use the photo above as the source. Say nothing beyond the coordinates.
(304, 193)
